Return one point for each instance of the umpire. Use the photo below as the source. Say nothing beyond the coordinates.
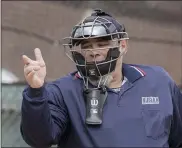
(105, 103)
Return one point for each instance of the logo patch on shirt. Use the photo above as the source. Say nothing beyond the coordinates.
(117, 89)
(150, 100)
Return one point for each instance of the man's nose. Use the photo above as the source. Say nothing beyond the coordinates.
(93, 54)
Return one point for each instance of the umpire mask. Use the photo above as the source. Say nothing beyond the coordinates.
(98, 25)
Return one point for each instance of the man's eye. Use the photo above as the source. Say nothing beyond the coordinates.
(86, 46)
(102, 45)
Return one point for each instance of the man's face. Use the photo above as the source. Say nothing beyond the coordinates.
(96, 49)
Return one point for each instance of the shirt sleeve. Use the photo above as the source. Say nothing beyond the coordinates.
(175, 137)
(44, 116)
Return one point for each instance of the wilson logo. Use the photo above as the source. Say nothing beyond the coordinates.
(94, 102)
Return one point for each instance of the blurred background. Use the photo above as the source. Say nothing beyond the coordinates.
(154, 28)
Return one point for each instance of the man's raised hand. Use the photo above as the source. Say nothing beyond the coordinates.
(34, 70)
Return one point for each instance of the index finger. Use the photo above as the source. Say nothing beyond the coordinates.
(26, 60)
(38, 55)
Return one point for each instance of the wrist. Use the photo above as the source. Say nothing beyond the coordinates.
(35, 92)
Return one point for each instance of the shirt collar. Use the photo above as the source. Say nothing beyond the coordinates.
(132, 73)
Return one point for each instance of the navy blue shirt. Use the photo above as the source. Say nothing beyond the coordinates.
(146, 112)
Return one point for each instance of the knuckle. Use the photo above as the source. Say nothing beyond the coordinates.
(28, 69)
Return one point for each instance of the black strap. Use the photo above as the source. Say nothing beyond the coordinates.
(99, 12)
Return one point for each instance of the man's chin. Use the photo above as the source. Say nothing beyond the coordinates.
(99, 81)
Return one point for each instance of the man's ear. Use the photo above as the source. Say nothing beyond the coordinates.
(123, 44)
